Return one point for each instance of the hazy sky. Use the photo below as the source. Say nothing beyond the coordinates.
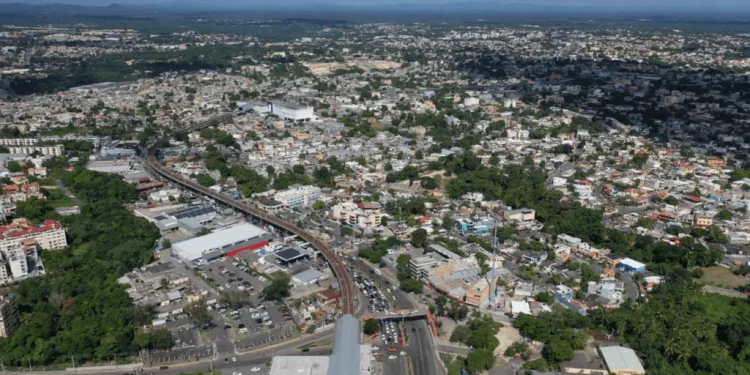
(620, 4)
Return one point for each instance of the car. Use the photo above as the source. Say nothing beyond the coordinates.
(234, 359)
(391, 357)
(403, 353)
(375, 348)
(255, 369)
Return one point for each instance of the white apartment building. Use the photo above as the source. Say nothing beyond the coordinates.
(298, 196)
(54, 150)
(17, 263)
(18, 142)
(4, 274)
(362, 215)
(50, 235)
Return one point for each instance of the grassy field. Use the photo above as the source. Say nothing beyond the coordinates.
(722, 277)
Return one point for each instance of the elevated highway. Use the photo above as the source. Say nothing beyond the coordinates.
(348, 293)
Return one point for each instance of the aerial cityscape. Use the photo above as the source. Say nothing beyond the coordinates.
(426, 188)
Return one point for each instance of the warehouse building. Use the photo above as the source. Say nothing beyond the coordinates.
(292, 255)
(226, 242)
(286, 111)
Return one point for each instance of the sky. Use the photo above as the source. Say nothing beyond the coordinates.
(612, 4)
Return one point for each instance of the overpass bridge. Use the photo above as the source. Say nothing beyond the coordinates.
(348, 293)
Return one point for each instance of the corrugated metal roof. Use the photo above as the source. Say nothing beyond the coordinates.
(619, 358)
(345, 357)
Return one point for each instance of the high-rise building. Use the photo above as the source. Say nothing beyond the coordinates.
(9, 316)
(50, 235)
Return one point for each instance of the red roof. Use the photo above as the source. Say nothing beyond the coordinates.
(693, 198)
(330, 294)
(24, 228)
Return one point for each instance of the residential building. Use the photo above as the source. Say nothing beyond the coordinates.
(703, 219)
(298, 196)
(534, 257)
(716, 163)
(50, 235)
(10, 319)
(361, 215)
(54, 150)
(522, 215)
(16, 259)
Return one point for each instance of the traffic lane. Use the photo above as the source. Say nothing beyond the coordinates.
(420, 348)
(396, 366)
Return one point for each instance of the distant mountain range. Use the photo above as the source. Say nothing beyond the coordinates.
(475, 8)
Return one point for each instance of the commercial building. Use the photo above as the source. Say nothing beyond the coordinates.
(292, 112)
(10, 319)
(226, 242)
(290, 255)
(50, 235)
(361, 215)
(621, 360)
(298, 196)
(419, 267)
(523, 215)
(631, 266)
(308, 277)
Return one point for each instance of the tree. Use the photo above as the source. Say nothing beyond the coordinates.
(418, 237)
(205, 180)
(461, 334)
(724, 215)
(557, 350)
(318, 205)
(166, 243)
(371, 326)
(279, 288)
(545, 297)
(479, 360)
(671, 200)
(14, 167)
(199, 315)
(161, 339)
(411, 286)
(428, 183)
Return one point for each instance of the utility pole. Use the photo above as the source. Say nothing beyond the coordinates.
(73, 362)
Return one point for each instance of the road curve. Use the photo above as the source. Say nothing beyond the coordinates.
(347, 290)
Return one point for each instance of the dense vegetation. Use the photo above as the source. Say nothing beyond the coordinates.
(679, 330)
(78, 308)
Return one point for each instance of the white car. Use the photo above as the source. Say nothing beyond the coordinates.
(255, 369)
(234, 359)
(391, 357)
(403, 353)
(375, 348)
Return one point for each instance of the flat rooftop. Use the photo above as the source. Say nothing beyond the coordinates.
(226, 238)
(305, 365)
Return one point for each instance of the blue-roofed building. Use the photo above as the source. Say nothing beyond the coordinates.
(345, 357)
(465, 226)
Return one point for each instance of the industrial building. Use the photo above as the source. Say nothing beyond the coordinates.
(226, 242)
(621, 360)
(308, 277)
(349, 357)
(284, 110)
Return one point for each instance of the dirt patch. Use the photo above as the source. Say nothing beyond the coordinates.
(721, 276)
(507, 336)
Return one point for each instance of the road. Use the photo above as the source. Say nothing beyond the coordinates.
(348, 293)
(419, 345)
(244, 362)
(460, 350)
(69, 194)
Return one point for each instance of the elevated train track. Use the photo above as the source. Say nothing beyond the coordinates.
(348, 292)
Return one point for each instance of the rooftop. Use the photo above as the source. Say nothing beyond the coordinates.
(194, 248)
(620, 358)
